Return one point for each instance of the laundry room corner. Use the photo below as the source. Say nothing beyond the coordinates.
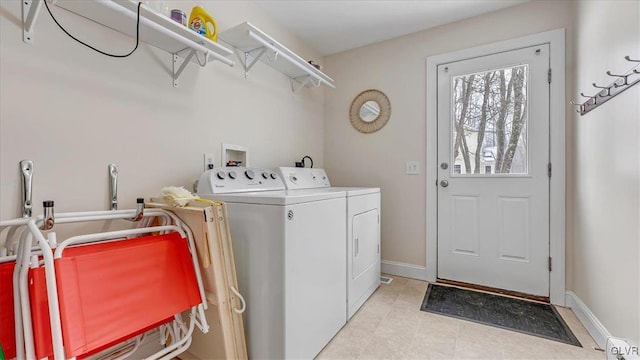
(74, 111)
(380, 158)
(319, 179)
(607, 171)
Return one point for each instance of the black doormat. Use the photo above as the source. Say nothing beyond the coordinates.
(523, 316)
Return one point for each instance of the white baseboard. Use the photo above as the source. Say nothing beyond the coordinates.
(595, 328)
(405, 270)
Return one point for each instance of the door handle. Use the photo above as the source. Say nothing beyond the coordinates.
(444, 183)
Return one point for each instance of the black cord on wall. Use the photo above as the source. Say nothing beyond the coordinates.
(306, 157)
(93, 48)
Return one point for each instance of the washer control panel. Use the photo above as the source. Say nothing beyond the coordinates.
(304, 178)
(238, 179)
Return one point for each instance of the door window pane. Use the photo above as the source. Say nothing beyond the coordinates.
(490, 120)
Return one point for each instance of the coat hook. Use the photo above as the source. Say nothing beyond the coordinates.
(594, 98)
(113, 186)
(630, 59)
(624, 77)
(580, 106)
(26, 167)
(608, 88)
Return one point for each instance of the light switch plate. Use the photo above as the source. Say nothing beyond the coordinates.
(412, 168)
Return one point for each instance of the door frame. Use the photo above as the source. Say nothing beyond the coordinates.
(557, 120)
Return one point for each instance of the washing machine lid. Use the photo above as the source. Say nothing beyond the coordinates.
(348, 191)
(357, 191)
(280, 197)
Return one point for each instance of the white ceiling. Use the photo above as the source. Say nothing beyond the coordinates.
(332, 26)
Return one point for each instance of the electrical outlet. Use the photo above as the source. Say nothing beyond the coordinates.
(412, 168)
(209, 159)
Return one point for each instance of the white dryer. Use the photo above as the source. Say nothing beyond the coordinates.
(363, 231)
(290, 260)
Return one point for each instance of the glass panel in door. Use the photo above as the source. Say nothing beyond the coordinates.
(489, 122)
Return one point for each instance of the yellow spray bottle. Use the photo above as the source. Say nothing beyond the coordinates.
(201, 22)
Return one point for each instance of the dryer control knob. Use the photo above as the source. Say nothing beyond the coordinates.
(232, 174)
(293, 179)
(274, 176)
(221, 175)
(249, 174)
(265, 175)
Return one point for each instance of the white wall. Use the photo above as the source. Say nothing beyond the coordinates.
(397, 67)
(73, 111)
(607, 169)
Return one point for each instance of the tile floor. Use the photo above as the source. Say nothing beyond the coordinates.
(390, 325)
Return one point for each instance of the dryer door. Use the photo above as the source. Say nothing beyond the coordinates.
(365, 242)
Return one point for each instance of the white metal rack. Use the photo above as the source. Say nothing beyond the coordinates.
(155, 29)
(251, 45)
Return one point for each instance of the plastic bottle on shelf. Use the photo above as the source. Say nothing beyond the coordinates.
(158, 6)
(202, 23)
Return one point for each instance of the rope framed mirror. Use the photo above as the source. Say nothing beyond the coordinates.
(370, 111)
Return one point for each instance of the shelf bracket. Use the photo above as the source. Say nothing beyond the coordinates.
(275, 57)
(30, 11)
(316, 84)
(299, 82)
(250, 58)
(180, 68)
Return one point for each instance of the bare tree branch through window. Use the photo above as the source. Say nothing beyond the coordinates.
(490, 121)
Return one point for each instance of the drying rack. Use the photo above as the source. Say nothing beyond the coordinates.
(48, 282)
(608, 92)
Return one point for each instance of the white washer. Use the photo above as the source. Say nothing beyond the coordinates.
(363, 231)
(290, 260)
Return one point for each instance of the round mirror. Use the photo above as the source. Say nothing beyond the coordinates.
(370, 111)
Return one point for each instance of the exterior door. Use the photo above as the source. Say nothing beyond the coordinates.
(493, 183)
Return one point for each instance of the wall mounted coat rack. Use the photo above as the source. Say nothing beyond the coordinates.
(606, 93)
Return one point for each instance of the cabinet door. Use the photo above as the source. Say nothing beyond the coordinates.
(365, 241)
